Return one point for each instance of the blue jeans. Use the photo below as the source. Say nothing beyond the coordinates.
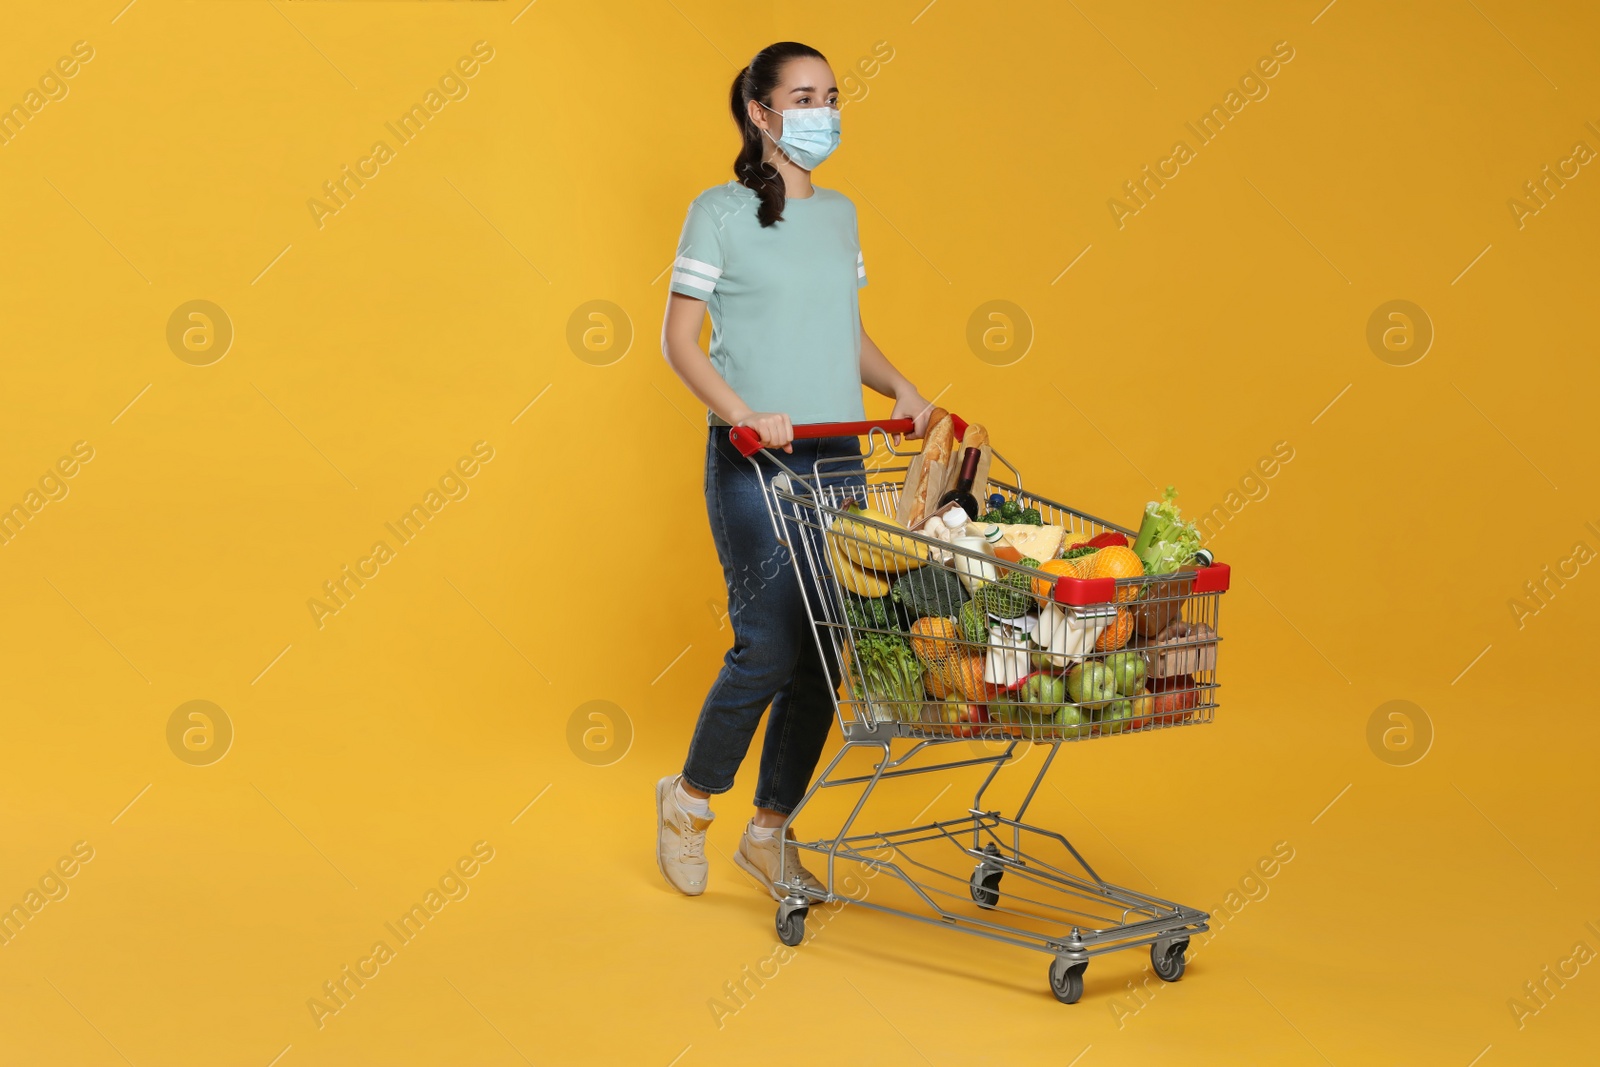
(774, 658)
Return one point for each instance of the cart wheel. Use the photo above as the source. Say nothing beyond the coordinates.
(791, 927)
(1168, 959)
(1066, 980)
(986, 886)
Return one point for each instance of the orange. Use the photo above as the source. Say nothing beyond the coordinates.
(1118, 561)
(1117, 634)
(1064, 567)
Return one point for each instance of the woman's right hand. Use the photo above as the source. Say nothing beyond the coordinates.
(774, 427)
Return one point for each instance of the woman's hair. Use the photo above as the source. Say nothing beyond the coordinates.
(756, 82)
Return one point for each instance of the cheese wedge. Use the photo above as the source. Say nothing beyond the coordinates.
(1034, 542)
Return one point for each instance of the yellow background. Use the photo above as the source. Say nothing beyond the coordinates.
(369, 354)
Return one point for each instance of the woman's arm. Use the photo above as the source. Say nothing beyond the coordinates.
(878, 374)
(680, 343)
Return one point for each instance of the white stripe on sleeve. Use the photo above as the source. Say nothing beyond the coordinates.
(699, 267)
(680, 278)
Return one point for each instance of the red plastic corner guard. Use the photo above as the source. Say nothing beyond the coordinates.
(1081, 592)
(1212, 579)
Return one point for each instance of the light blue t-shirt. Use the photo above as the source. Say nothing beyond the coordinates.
(785, 320)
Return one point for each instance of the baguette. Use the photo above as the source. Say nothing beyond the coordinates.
(936, 448)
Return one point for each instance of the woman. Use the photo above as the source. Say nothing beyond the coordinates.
(777, 262)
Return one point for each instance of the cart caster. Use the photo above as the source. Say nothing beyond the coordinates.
(985, 881)
(1168, 960)
(986, 887)
(791, 923)
(1066, 980)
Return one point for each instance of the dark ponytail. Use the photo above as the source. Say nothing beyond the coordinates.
(756, 82)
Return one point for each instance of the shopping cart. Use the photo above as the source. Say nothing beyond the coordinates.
(985, 873)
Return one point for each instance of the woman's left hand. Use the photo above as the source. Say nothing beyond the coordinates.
(912, 405)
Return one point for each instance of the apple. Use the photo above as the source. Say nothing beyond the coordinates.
(1116, 717)
(1004, 709)
(1072, 720)
(1128, 668)
(1175, 698)
(1042, 687)
(1091, 684)
(969, 720)
(1143, 705)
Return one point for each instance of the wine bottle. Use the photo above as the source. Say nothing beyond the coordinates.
(962, 493)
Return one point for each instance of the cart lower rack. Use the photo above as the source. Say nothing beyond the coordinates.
(938, 643)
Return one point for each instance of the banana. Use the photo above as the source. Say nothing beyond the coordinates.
(876, 549)
(858, 580)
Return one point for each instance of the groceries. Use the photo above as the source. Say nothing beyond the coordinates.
(1033, 541)
(930, 591)
(867, 544)
(1092, 684)
(961, 495)
(972, 563)
(1010, 511)
(935, 470)
(859, 580)
(1009, 596)
(889, 674)
(1165, 541)
(1027, 620)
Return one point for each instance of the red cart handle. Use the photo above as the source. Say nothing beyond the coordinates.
(748, 441)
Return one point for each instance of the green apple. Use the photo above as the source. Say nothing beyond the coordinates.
(1004, 709)
(1044, 688)
(1072, 720)
(1091, 684)
(1128, 669)
(1116, 717)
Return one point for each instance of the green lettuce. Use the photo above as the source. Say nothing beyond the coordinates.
(889, 675)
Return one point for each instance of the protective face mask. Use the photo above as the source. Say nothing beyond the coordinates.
(810, 134)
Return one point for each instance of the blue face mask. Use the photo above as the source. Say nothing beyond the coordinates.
(810, 134)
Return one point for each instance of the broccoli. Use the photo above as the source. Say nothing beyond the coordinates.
(870, 613)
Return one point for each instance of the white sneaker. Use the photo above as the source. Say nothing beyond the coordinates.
(680, 840)
(760, 858)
